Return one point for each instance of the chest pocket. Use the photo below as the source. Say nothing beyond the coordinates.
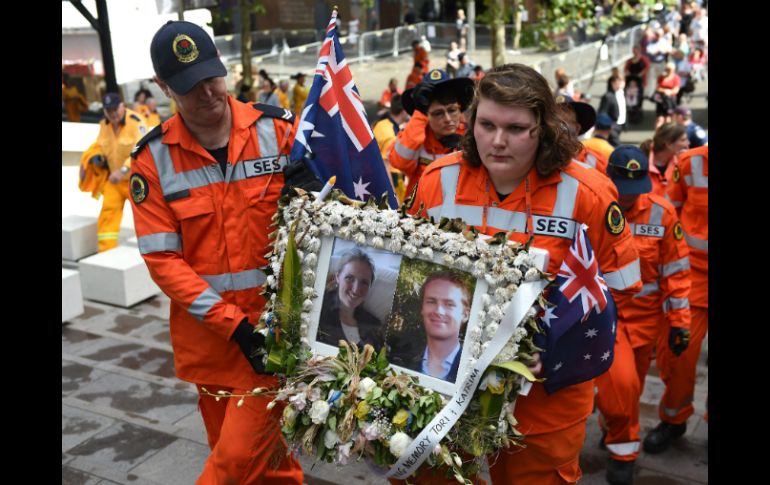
(200, 236)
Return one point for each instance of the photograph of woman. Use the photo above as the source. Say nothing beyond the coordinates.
(343, 316)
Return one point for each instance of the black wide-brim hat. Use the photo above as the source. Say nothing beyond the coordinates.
(584, 112)
(463, 87)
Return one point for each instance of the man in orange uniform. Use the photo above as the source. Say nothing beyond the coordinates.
(204, 187)
(437, 123)
(119, 131)
(690, 195)
(421, 56)
(515, 174)
(580, 117)
(665, 269)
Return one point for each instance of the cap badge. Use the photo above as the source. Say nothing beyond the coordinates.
(185, 49)
(632, 166)
(435, 75)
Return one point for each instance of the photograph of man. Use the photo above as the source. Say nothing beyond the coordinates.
(446, 304)
(343, 316)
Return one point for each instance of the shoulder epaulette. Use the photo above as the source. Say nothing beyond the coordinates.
(275, 111)
(154, 133)
(135, 117)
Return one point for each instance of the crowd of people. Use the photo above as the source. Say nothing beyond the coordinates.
(499, 149)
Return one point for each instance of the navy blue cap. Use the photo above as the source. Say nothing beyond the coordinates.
(628, 168)
(462, 86)
(111, 101)
(603, 122)
(183, 54)
(584, 112)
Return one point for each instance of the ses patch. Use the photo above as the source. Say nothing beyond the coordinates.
(139, 188)
(650, 230)
(264, 166)
(678, 232)
(614, 219)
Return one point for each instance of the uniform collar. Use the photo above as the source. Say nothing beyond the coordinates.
(483, 190)
(642, 204)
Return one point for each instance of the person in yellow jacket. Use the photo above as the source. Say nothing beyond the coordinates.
(74, 102)
(300, 92)
(385, 131)
(119, 132)
(152, 118)
(282, 91)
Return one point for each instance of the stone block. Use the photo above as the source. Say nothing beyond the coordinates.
(118, 277)
(78, 237)
(71, 295)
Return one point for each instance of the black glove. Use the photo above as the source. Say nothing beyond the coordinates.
(451, 141)
(252, 345)
(678, 340)
(99, 161)
(422, 97)
(298, 174)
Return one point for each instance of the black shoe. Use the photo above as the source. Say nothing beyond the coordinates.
(661, 437)
(620, 472)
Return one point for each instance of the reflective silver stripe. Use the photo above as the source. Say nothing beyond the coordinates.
(591, 160)
(161, 241)
(472, 215)
(698, 178)
(566, 192)
(201, 306)
(675, 267)
(688, 180)
(506, 220)
(624, 277)
(672, 412)
(632, 227)
(675, 304)
(171, 181)
(648, 289)
(696, 243)
(405, 152)
(268, 138)
(244, 280)
(676, 203)
(656, 214)
(623, 449)
(584, 165)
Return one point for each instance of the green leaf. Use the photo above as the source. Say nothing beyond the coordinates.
(275, 360)
(332, 422)
(291, 362)
(305, 420)
(518, 368)
(290, 293)
(382, 359)
(376, 393)
(392, 395)
(491, 404)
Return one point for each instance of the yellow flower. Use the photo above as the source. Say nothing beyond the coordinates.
(362, 410)
(401, 417)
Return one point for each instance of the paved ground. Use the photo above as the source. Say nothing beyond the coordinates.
(127, 420)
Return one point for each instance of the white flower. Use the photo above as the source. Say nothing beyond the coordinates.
(409, 250)
(312, 230)
(326, 229)
(308, 276)
(319, 411)
(345, 232)
(270, 281)
(486, 300)
(377, 242)
(491, 279)
(519, 333)
(437, 450)
(335, 220)
(482, 315)
(311, 259)
(492, 379)
(484, 346)
(522, 259)
(463, 262)
(307, 305)
(395, 245)
(474, 333)
(314, 394)
(371, 431)
(399, 443)
(426, 253)
(308, 292)
(447, 259)
(531, 313)
(366, 385)
(397, 233)
(475, 349)
(360, 238)
(343, 453)
(303, 330)
(495, 313)
(532, 275)
(417, 239)
(298, 401)
(330, 438)
(491, 329)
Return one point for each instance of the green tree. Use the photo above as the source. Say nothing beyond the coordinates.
(222, 17)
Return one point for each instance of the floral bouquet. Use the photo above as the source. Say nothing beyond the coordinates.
(354, 403)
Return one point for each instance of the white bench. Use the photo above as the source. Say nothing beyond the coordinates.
(71, 295)
(118, 276)
(78, 237)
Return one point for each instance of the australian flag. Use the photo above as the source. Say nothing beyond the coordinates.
(334, 135)
(580, 328)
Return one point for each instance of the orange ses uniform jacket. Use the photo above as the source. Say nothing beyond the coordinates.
(594, 158)
(450, 187)
(690, 195)
(416, 147)
(203, 235)
(661, 181)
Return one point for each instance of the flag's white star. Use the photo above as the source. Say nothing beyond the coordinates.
(549, 315)
(606, 355)
(360, 188)
(587, 357)
(591, 333)
(304, 126)
(557, 366)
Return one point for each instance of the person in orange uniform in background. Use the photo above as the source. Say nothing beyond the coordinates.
(436, 106)
(204, 186)
(387, 95)
(415, 76)
(661, 308)
(580, 117)
(599, 141)
(74, 102)
(520, 151)
(669, 141)
(119, 131)
(421, 56)
(690, 194)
